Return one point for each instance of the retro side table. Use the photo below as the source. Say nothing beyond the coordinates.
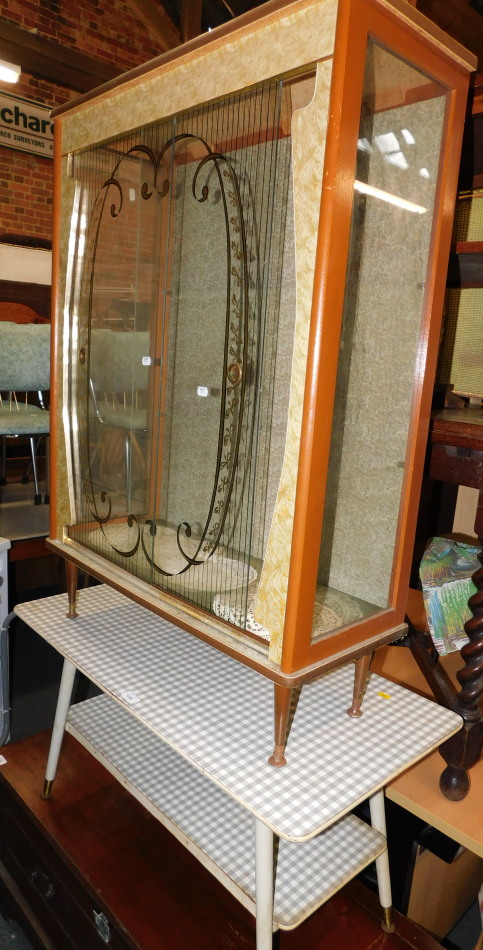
(183, 726)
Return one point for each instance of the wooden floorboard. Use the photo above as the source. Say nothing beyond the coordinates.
(159, 893)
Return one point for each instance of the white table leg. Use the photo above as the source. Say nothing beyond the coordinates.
(264, 884)
(378, 820)
(63, 703)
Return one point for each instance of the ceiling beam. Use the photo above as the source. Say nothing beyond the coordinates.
(46, 59)
(191, 11)
(159, 24)
(236, 7)
(458, 18)
(215, 13)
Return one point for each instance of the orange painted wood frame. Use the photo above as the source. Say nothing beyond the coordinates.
(357, 22)
(55, 368)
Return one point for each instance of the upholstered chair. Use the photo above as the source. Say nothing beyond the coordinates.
(24, 378)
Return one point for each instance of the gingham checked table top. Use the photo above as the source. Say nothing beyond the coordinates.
(218, 714)
(214, 827)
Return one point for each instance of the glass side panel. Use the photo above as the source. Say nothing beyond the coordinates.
(183, 303)
(400, 133)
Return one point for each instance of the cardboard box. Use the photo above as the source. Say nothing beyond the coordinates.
(442, 892)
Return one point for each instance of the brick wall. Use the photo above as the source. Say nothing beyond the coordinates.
(108, 30)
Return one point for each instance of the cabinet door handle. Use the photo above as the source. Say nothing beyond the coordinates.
(42, 884)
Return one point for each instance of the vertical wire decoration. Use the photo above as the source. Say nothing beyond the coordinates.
(160, 205)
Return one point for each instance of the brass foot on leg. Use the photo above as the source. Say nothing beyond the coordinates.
(47, 792)
(72, 612)
(387, 924)
(355, 711)
(277, 757)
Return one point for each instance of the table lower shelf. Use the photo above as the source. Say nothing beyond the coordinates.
(214, 827)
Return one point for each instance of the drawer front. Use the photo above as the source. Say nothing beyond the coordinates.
(68, 912)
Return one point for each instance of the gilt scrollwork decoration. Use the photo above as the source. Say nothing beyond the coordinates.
(111, 199)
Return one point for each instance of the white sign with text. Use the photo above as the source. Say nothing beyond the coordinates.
(25, 125)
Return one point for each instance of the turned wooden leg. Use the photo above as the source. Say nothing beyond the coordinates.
(282, 700)
(463, 750)
(72, 572)
(360, 677)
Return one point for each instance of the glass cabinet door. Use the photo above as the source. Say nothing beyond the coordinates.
(186, 316)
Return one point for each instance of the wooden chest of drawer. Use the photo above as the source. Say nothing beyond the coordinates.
(67, 910)
(93, 849)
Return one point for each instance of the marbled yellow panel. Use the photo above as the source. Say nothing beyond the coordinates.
(267, 48)
(64, 510)
(309, 128)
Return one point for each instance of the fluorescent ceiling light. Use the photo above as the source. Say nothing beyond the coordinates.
(364, 189)
(408, 137)
(9, 72)
(387, 142)
(398, 159)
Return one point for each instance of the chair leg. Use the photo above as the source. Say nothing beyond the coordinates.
(3, 476)
(26, 475)
(47, 470)
(37, 497)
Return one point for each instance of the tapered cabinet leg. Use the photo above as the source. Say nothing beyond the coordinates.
(264, 884)
(72, 572)
(63, 703)
(360, 677)
(378, 820)
(282, 700)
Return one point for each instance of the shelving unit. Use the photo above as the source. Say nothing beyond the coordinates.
(186, 730)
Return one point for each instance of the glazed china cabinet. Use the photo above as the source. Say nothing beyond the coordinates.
(252, 235)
